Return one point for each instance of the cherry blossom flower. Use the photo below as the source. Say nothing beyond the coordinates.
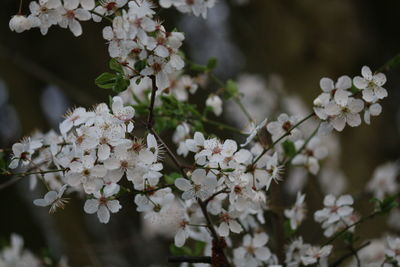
(282, 126)
(229, 223)
(371, 84)
(338, 92)
(371, 109)
(253, 132)
(384, 180)
(107, 8)
(393, 248)
(296, 249)
(253, 251)
(335, 209)
(200, 186)
(47, 12)
(54, 199)
(20, 23)
(311, 154)
(215, 103)
(103, 203)
(87, 173)
(23, 151)
(71, 15)
(317, 254)
(181, 134)
(340, 115)
(298, 212)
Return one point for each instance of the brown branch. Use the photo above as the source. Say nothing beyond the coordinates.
(188, 259)
(150, 118)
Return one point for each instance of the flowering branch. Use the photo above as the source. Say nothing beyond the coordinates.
(288, 132)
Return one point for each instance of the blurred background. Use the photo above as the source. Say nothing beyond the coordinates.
(293, 43)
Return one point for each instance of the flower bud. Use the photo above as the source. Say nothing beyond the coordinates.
(20, 23)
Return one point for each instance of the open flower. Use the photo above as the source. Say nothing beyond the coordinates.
(53, 199)
(200, 185)
(253, 251)
(103, 203)
(371, 84)
(229, 223)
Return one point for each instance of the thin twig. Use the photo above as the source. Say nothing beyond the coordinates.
(189, 259)
(350, 226)
(283, 136)
(344, 257)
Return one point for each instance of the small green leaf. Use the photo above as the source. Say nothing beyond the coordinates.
(106, 80)
(212, 63)
(170, 178)
(183, 251)
(115, 65)
(231, 89)
(140, 65)
(121, 84)
(289, 148)
(198, 67)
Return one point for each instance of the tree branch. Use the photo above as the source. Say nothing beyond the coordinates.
(189, 259)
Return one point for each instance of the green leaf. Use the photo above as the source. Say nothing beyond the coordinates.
(198, 67)
(106, 80)
(121, 84)
(231, 89)
(115, 65)
(170, 178)
(212, 63)
(288, 229)
(140, 65)
(388, 204)
(289, 148)
(183, 251)
(199, 248)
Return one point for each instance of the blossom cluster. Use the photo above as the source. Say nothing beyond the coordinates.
(341, 104)
(93, 153)
(225, 191)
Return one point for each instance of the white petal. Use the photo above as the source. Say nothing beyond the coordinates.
(345, 200)
(366, 72)
(344, 82)
(262, 253)
(103, 214)
(223, 229)
(91, 206)
(235, 226)
(183, 184)
(113, 206)
(353, 120)
(329, 200)
(326, 84)
(360, 82)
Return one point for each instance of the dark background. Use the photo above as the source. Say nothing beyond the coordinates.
(300, 40)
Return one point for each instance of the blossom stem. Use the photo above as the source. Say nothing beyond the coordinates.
(370, 216)
(104, 17)
(236, 99)
(244, 110)
(20, 7)
(150, 118)
(283, 136)
(344, 257)
(21, 175)
(222, 126)
(289, 160)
